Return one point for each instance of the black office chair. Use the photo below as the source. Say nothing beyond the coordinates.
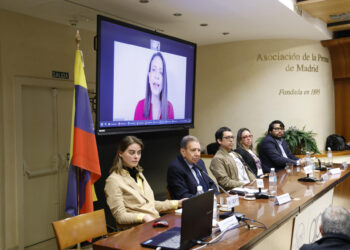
(212, 148)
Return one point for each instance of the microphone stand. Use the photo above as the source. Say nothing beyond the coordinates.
(320, 166)
(307, 179)
(261, 195)
(238, 215)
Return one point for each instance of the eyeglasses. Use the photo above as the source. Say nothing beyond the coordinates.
(228, 137)
(247, 136)
(278, 128)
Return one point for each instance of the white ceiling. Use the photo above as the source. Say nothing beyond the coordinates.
(243, 19)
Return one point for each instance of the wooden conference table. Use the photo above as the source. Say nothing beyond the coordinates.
(262, 210)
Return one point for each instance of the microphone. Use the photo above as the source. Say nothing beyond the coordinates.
(320, 165)
(203, 172)
(307, 178)
(238, 215)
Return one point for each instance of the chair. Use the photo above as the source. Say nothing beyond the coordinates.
(80, 228)
(168, 194)
(212, 148)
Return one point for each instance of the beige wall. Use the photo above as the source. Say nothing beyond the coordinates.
(235, 88)
(33, 48)
(2, 176)
(232, 89)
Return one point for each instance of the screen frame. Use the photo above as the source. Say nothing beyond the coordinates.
(147, 128)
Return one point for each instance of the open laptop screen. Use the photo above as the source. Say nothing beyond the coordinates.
(196, 223)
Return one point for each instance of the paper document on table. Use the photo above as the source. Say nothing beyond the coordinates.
(178, 211)
(249, 190)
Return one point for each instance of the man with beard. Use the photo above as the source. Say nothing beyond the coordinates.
(274, 151)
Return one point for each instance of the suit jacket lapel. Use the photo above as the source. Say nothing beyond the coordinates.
(187, 170)
(231, 160)
(132, 183)
(277, 146)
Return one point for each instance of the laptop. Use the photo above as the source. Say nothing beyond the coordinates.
(196, 224)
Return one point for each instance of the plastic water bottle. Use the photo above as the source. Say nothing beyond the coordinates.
(330, 157)
(307, 159)
(273, 182)
(272, 176)
(199, 190)
(309, 162)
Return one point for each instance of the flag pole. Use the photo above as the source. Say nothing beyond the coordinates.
(77, 41)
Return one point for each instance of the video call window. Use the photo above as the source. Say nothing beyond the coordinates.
(129, 59)
(145, 80)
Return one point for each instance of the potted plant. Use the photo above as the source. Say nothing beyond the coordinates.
(299, 141)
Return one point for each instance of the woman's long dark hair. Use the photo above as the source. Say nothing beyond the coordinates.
(239, 138)
(163, 94)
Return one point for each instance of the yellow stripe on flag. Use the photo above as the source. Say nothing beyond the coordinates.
(79, 77)
(94, 196)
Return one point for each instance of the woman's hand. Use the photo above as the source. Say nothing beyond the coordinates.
(147, 218)
(180, 202)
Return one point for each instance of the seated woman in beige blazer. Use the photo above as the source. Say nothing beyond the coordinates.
(128, 193)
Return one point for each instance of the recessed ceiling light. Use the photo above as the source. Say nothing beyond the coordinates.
(225, 33)
(203, 24)
(73, 22)
(177, 14)
(144, 1)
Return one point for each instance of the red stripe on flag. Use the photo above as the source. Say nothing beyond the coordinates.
(85, 154)
(88, 204)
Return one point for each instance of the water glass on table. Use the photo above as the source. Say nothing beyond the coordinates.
(345, 165)
(289, 168)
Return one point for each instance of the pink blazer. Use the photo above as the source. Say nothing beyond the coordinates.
(140, 109)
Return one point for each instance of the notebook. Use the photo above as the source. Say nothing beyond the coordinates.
(196, 224)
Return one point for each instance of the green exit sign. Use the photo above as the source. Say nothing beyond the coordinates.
(60, 75)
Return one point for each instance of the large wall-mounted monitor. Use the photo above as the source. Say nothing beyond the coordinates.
(145, 80)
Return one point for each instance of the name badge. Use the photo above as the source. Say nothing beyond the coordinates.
(259, 183)
(284, 198)
(232, 201)
(308, 170)
(228, 222)
(334, 171)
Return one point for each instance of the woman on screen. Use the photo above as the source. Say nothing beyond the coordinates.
(155, 106)
(245, 149)
(128, 194)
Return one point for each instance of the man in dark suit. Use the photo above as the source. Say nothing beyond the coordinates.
(185, 172)
(274, 151)
(335, 230)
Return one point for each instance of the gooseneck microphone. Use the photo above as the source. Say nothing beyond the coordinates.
(239, 215)
(203, 172)
(320, 167)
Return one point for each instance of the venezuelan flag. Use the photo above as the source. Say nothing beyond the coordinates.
(84, 169)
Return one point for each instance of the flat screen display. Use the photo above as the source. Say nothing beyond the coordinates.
(145, 80)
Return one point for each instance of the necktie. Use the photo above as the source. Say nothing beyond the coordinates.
(200, 179)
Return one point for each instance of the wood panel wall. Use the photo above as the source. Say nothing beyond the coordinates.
(340, 57)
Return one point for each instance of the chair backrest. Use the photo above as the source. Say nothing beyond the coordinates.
(168, 193)
(212, 148)
(80, 228)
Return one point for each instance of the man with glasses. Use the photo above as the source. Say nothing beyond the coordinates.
(274, 151)
(227, 166)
